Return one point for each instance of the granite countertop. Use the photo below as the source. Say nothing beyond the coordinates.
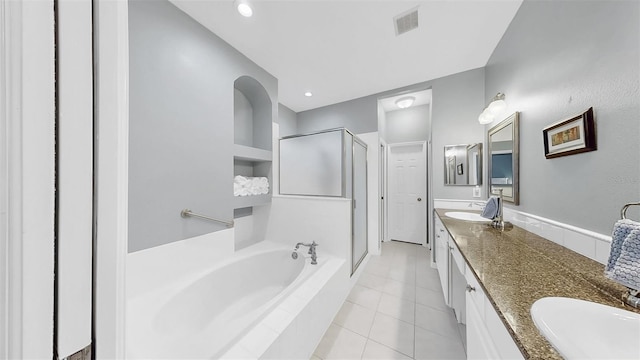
(516, 267)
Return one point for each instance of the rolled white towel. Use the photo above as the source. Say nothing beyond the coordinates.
(245, 185)
(263, 181)
(239, 179)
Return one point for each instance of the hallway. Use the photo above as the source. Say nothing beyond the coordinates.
(395, 311)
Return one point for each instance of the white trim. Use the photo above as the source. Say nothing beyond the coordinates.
(27, 119)
(456, 200)
(74, 176)
(5, 150)
(311, 197)
(591, 244)
(382, 193)
(111, 45)
(582, 231)
(429, 219)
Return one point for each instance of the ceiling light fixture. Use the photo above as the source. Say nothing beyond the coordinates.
(308, 94)
(496, 107)
(243, 7)
(405, 102)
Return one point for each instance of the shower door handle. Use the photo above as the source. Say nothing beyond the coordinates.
(419, 199)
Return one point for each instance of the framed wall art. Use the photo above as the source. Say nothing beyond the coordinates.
(572, 136)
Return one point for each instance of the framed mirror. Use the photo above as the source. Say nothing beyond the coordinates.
(463, 164)
(503, 160)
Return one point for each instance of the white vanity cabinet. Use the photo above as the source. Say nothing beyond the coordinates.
(487, 337)
(450, 265)
(442, 256)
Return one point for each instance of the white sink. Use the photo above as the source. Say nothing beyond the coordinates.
(581, 329)
(465, 216)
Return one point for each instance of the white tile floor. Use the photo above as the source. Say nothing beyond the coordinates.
(395, 311)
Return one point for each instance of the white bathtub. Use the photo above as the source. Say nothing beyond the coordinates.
(212, 313)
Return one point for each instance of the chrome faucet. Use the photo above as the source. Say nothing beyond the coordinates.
(498, 221)
(312, 251)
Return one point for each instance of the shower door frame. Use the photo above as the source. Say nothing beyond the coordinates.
(355, 139)
(355, 264)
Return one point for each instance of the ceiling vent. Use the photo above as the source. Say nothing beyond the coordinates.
(406, 21)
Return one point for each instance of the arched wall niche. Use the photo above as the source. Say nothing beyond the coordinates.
(252, 114)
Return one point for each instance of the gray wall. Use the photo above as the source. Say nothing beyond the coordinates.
(358, 115)
(411, 124)
(181, 123)
(382, 122)
(288, 121)
(555, 61)
(457, 100)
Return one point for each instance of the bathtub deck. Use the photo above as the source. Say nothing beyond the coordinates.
(395, 311)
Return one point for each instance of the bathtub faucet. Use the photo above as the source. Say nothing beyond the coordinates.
(312, 251)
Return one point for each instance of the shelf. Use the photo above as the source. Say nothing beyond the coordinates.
(241, 152)
(251, 200)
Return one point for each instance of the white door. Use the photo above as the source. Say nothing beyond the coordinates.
(407, 192)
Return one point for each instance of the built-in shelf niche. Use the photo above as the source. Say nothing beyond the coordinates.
(253, 117)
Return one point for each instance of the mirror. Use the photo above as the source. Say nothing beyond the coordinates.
(503, 158)
(463, 164)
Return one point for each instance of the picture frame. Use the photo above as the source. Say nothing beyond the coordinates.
(460, 169)
(572, 136)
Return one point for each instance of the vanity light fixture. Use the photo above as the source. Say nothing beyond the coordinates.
(308, 94)
(495, 108)
(405, 102)
(243, 7)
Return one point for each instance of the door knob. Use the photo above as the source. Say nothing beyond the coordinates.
(419, 199)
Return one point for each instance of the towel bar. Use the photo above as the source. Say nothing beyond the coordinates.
(623, 212)
(186, 213)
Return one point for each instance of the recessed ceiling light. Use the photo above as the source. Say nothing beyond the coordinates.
(308, 94)
(405, 102)
(243, 7)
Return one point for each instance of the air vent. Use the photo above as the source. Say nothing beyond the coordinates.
(406, 21)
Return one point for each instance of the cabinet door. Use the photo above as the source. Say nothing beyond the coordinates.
(504, 343)
(479, 344)
(442, 263)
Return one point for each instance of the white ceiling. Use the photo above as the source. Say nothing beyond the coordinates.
(342, 50)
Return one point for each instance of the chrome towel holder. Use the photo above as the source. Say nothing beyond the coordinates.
(632, 296)
(186, 213)
(623, 211)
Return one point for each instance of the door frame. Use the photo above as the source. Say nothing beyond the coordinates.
(111, 121)
(27, 177)
(382, 231)
(425, 151)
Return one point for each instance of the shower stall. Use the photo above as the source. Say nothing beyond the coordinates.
(329, 163)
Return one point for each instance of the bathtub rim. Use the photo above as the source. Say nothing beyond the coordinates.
(159, 297)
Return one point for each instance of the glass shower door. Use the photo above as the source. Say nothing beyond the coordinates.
(359, 218)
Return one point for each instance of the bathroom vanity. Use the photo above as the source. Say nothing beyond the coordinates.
(504, 273)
